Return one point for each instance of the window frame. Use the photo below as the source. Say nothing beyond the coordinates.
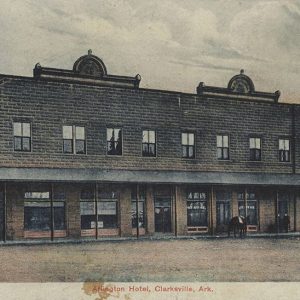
(107, 141)
(255, 149)
(188, 146)
(280, 151)
(222, 135)
(148, 143)
(74, 140)
(22, 136)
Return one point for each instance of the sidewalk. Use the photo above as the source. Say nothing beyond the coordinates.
(155, 237)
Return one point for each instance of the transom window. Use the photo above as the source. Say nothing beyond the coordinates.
(22, 136)
(188, 144)
(222, 147)
(74, 139)
(255, 148)
(114, 141)
(149, 143)
(284, 150)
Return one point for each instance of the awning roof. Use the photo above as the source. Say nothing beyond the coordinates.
(138, 176)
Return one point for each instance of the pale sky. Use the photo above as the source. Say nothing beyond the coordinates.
(173, 44)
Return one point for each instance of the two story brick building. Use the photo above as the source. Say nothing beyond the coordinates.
(88, 154)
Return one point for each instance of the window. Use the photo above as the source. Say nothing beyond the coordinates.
(74, 139)
(284, 150)
(196, 209)
(222, 147)
(255, 149)
(37, 211)
(114, 141)
(188, 145)
(149, 143)
(251, 207)
(22, 136)
(141, 208)
(87, 209)
(108, 209)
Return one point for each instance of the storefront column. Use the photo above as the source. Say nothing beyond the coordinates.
(181, 210)
(51, 212)
(213, 210)
(277, 211)
(125, 211)
(210, 219)
(234, 204)
(150, 209)
(72, 213)
(4, 213)
(137, 211)
(96, 208)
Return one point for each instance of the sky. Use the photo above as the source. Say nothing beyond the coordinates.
(172, 44)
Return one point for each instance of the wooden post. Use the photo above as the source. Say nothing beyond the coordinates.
(137, 211)
(175, 210)
(52, 212)
(96, 209)
(211, 223)
(245, 205)
(277, 212)
(4, 213)
(295, 211)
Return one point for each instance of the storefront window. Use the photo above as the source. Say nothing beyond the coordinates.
(87, 210)
(37, 211)
(108, 209)
(251, 207)
(141, 208)
(196, 209)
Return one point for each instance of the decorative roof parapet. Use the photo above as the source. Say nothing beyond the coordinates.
(88, 69)
(239, 87)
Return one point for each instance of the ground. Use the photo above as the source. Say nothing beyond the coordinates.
(262, 259)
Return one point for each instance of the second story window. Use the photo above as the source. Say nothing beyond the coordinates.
(223, 147)
(22, 136)
(284, 150)
(255, 148)
(114, 141)
(149, 143)
(188, 145)
(74, 139)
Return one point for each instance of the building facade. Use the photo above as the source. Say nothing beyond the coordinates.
(88, 154)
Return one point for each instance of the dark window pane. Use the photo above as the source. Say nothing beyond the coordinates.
(68, 146)
(184, 151)
(37, 218)
(17, 143)
(225, 153)
(141, 214)
(196, 213)
(219, 153)
(145, 149)
(59, 217)
(26, 144)
(80, 146)
(152, 150)
(119, 147)
(191, 152)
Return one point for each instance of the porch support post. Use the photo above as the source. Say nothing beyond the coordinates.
(245, 204)
(4, 213)
(175, 210)
(211, 222)
(295, 210)
(137, 211)
(52, 212)
(96, 208)
(277, 211)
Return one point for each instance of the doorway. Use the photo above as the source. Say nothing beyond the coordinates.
(162, 211)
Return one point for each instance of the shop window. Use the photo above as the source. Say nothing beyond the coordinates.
(37, 211)
(223, 200)
(74, 139)
(114, 141)
(188, 145)
(22, 136)
(196, 209)
(141, 208)
(149, 143)
(108, 209)
(222, 147)
(284, 150)
(252, 214)
(255, 148)
(87, 210)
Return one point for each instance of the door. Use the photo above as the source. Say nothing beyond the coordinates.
(282, 214)
(223, 215)
(162, 214)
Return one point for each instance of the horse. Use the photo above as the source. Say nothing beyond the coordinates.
(237, 223)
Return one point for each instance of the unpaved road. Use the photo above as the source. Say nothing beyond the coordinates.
(165, 260)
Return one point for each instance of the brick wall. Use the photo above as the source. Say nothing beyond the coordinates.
(50, 105)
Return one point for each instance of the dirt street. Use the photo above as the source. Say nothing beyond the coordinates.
(164, 260)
